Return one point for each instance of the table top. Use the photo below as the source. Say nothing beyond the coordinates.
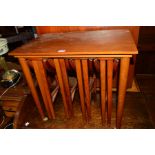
(99, 42)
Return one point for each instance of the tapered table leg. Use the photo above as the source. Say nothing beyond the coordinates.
(109, 89)
(86, 86)
(80, 86)
(124, 67)
(31, 85)
(62, 88)
(103, 89)
(66, 85)
(95, 88)
(44, 88)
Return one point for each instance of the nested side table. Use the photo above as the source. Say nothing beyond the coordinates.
(104, 45)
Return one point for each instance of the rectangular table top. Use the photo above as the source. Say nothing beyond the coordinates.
(99, 42)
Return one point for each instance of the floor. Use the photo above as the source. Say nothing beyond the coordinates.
(138, 111)
(147, 87)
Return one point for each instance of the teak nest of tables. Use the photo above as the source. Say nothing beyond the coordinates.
(57, 48)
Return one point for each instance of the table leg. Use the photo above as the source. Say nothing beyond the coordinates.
(66, 85)
(86, 86)
(62, 88)
(80, 86)
(124, 67)
(30, 82)
(44, 88)
(95, 88)
(109, 88)
(103, 89)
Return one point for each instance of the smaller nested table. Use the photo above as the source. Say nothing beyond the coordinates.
(104, 45)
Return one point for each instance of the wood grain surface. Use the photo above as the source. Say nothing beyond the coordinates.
(80, 43)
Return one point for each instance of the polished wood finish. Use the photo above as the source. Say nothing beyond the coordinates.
(62, 87)
(103, 89)
(86, 87)
(30, 82)
(51, 46)
(109, 89)
(80, 86)
(44, 88)
(53, 29)
(106, 42)
(66, 85)
(124, 67)
(105, 45)
(133, 29)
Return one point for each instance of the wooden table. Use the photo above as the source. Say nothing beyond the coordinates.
(105, 45)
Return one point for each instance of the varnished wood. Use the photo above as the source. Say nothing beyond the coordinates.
(133, 29)
(90, 42)
(131, 72)
(95, 88)
(66, 85)
(30, 82)
(84, 45)
(124, 67)
(47, 89)
(86, 86)
(80, 86)
(76, 56)
(103, 89)
(62, 88)
(53, 29)
(44, 87)
(109, 89)
(41, 86)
